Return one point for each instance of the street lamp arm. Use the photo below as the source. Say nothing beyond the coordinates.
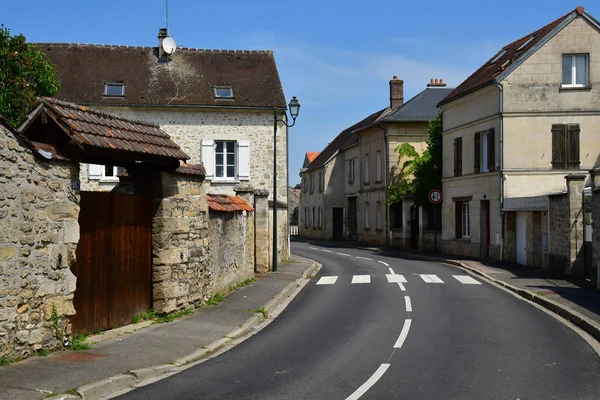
(285, 123)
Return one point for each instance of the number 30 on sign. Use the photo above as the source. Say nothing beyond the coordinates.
(435, 196)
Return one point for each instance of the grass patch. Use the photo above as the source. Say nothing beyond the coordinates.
(42, 353)
(261, 311)
(246, 283)
(216, 299)
(78, 343)
(50, 394)
(160, 318)
(72, 392)
(4, 362)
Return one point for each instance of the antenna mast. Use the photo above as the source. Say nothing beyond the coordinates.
(167, 15)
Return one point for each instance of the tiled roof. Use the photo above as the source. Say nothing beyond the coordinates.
(422, 107)
(507, 56)
(187, 80)
(99, 129)
(311, 155)
(346, 138)
(222, 202)
(191, 169)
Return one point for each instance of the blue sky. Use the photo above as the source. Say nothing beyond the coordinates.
(336, 56)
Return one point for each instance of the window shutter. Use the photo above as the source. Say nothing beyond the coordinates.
(208, 157)
(455, 156)
(458, 219)
(477, 153)
(243, 160)
(491, 142)
(459, 160)
(558, 145)
(573, 146)
(95, 171)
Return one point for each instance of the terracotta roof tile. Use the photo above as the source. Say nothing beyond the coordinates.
(222, 202)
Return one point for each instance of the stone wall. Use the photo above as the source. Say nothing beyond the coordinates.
(558, 209)
(181, 253)
(38, 238)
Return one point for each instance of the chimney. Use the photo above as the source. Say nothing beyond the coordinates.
(436, 83)
(396, 92)
(162, 34)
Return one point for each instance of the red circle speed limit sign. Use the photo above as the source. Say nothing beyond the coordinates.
(435, 196)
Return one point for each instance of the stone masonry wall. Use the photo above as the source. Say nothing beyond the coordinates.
(558, 208)
(38, 238)
(181, 257)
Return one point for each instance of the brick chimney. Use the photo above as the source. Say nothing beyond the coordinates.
(162, 34)
(396, 92)
(436, 83)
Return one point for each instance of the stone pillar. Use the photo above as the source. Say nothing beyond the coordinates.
(246, 192)
(595, 177)
(575, 187)
(261, 231)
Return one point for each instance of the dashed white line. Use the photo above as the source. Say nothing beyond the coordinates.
(395, 278)
(327, 280)
(466, 279)
(313, 248)
(361, 279)
(365, 258)
(344, 254)
(402, 288)
(403, 334)
(384, 263)
(408, 304)
(391, 270)
(369, 383)
(327, 251)
(431, 278)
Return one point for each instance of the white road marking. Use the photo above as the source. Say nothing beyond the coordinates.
(408, 304)
(364, 258)
(401, 286)
(384, 263)
(327, 251)
(369, 383)
(391, 270)
(466, 279)
(431, 278)
(314, 248)
(327, 280)
(361, 279)
(403, 334)
(343, 254)
(395, 278)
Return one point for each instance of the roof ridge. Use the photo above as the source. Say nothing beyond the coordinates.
(250, 51)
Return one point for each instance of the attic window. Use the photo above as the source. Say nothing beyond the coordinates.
(521, 47)
(499, 56)
(114, 89)
(223, 92)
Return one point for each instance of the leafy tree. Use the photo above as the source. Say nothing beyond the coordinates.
(25, 74)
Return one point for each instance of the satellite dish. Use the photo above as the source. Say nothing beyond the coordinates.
(169, 45)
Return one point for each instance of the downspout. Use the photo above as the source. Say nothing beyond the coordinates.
(501, 155)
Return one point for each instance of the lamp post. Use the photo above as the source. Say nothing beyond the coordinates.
(294, 110)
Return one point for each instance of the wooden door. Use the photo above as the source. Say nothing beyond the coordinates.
(338, 223)
(113, 265)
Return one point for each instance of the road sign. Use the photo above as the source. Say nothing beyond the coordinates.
(435, 196)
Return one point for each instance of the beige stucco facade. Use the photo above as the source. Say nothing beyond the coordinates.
(533, 99)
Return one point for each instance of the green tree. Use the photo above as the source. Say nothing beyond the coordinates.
(25, 74)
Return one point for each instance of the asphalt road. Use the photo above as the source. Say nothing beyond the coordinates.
(421, 330)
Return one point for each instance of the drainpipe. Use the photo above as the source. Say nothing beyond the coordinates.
(501, 154)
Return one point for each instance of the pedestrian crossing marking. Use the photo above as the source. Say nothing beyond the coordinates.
(361, 279)
(327, 280)
(466, 279)
(431, 278)
(395, 278)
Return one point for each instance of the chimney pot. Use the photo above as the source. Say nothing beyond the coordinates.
(396, 92)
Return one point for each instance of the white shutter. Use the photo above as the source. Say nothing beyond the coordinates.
(208, 157)
(243, 160)
(95, 171)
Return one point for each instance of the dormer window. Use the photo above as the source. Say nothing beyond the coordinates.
(114, 89)
(521, 47)
(499, 56)
(223, 92)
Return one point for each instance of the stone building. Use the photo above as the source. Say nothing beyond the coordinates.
(512, 131)
(218, 105)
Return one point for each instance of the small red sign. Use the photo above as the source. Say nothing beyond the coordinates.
(435, 196)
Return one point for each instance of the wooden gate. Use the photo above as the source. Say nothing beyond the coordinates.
(113, 265)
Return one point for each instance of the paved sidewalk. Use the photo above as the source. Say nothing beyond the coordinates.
(135, 353)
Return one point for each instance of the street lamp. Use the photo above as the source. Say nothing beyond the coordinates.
(294, 110)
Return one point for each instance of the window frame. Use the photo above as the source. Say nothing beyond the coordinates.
(378, 169)
(225, 177)
(351, 171)
(367, 222)
(378, 216)
(314, 219)
(462, 220)
(458, 156)
(306, 222)
(114, 84)
(216, 88)
(569, 137)
(573, 83)
(366, 169)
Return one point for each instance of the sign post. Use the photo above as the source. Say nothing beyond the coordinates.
(435, 197)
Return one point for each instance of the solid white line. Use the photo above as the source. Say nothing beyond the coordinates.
(364, 258)
(403, 334)
(408, 304)
(314, 248)
(369, 383)
(327, 251)
(384, 263)
(361, 279)
(466, 279)
(342, 254)
(402, 288)
(391, 270)
(327, 280)
(395, 278)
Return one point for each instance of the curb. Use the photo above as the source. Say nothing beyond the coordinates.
(133, 378)
(588, 325)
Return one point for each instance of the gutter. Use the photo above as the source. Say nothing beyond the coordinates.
(501, 172)
(223, 107)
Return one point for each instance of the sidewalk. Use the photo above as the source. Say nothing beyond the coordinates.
(126, 356)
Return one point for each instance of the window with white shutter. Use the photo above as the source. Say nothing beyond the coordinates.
(208, 157)
(243, 160)
(95, 171)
